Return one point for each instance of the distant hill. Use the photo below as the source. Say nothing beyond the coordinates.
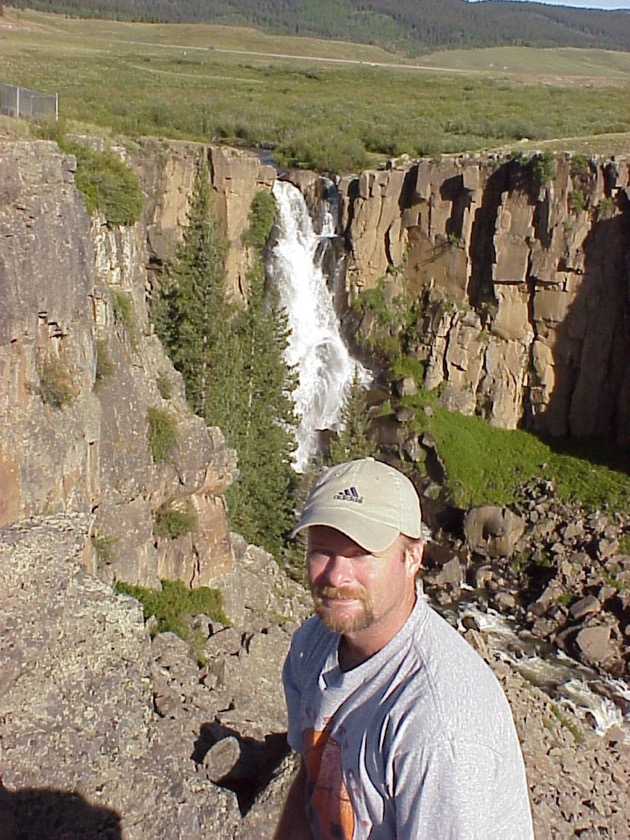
(408, 26)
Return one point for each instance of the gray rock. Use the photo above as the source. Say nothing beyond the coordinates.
(221, 759)
(585, 606)
(450, 574)
(595, 643)
(84, 753)
(493, 531)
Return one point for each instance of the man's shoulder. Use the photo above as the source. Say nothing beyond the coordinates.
(312, 634)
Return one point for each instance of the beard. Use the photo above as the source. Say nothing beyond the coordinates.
(361, 619)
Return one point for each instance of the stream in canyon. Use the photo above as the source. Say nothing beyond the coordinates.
(598, 700)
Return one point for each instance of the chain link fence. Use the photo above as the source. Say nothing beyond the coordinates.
(28, 104)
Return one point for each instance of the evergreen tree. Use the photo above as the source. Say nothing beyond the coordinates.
(261, 502)
(232, 362)
(192, 314)
(352, 440)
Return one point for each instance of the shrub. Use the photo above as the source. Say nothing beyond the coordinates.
(577, 200)
(606, 208)
(338, 154)
(453, 240)
(104, 365)
(174, 605)
(123, 309)
(104, 548)
(109, 186)
(56, 387)
(542, 167)
(164, 385)
(162, 434)
(122, 305)
(579, 166)
(174, 521)
(261, 217)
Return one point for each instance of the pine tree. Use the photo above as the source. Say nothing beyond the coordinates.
(352, 440)
(261, 501)
(232, 362)
(193, 316)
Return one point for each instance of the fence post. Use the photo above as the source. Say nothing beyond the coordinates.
(17, 102)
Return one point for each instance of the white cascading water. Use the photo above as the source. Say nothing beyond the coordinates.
(316, 348)
(599, 701)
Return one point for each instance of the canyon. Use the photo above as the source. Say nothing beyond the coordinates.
(524, 319)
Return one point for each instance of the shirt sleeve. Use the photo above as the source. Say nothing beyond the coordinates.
(293, 695)
(455, 792)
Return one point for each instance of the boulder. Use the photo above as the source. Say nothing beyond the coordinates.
(596, 643)
(493, 531)
(585, 606)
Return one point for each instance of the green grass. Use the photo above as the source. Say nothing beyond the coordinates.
(56, 385)
(486, 465)
(122, 306)
(105, 367)
(164, 385)
(329, 105)
(172, 521)
(109, 186)
(578, 737)
(162, 434)
(175, 605)
(105, 548)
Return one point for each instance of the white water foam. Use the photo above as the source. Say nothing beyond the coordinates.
(599, 701)
(324, 365)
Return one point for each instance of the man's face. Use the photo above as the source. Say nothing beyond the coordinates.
(354, 590)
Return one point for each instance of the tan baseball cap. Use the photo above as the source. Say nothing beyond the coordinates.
(368, 501)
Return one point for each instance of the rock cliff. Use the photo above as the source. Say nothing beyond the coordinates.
(105, 735)
(80, 371)
(521, 267)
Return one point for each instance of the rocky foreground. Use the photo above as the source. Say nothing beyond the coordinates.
(105, 733)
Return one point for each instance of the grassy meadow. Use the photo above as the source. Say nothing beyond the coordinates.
(319, 104)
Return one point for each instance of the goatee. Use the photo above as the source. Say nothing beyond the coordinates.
(360, 619)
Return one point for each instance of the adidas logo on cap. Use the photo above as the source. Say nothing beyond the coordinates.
(350, 494)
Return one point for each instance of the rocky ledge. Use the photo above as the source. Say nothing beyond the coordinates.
(105, 733)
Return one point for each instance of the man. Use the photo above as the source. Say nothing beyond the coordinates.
(404, 732)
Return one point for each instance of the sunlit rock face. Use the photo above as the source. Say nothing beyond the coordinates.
(524, 284)
(524, 315)
(77, 383)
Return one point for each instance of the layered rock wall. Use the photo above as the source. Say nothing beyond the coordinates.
(169, 172)
(80, 369)
(523, 275)
(524, 313)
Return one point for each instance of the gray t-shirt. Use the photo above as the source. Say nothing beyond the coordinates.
(416, 743)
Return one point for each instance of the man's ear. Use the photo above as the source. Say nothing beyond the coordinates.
(413, 558)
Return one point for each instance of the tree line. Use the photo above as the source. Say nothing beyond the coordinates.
(409, 26)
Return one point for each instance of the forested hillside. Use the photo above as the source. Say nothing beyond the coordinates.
(409, 26)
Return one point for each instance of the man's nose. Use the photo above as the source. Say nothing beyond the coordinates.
(338, 570)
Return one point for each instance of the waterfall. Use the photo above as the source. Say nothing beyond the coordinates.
(324, 366)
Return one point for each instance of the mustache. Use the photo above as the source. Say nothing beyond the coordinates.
(341, 592)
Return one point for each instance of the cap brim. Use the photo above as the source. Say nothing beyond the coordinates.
(370, 535)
